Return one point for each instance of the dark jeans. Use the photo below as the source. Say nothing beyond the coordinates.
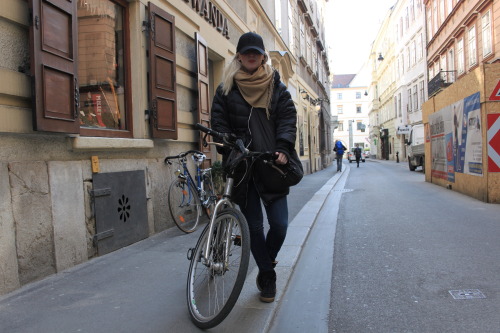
(339, 162)
(357, 160)
(265, 248)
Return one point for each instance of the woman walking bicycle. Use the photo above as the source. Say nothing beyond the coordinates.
(253, 104)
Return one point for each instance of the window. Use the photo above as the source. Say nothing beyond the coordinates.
(408, 58)
(451, 66)
(443, 68)
(422, 92)
(358, 95)
(415, 98)
(472, 46)
(429, 24)
(339, 95)
(91, 95)
(410, 106)
(460, 56)
(340, 109)
(449, 7)
(277, 20)
(309, 48)
(441, 12)
(101, 66)
(302, 38)
(291, 30)
(360, 126)
(420, 47)
(407, 19)
(435, 25)
(414, 51)
(358, 108)
(341, 126)
(412, 10)
(397, 104)
(486, 32)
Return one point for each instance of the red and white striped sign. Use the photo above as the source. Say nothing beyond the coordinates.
(494, 142)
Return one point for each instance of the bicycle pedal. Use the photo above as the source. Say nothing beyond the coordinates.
(237, 240)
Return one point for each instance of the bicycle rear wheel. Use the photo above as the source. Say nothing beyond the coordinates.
(184, 205)
(214, 287)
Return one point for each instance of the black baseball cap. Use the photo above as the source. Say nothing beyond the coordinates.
(250, 41)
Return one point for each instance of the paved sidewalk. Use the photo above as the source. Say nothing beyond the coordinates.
(249, 310)
(141, 288)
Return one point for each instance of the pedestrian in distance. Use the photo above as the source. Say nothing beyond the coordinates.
(339, 150)
(253, 104)
(357, 154)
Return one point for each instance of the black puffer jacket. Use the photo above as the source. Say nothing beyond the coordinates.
(232, 114)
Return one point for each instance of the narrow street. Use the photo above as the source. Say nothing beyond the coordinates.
(404, 250)
(385, 252)
(402, 245)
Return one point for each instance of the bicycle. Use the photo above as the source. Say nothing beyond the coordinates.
(186, 197)
(219, 261)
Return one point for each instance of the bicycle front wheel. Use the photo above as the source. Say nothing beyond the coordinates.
(215, 284)
(184, 205)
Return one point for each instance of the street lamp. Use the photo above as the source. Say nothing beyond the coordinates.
(304, 94)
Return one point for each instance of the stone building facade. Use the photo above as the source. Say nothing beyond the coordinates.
(95, 93)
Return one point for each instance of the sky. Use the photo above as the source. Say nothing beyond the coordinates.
(351, 27)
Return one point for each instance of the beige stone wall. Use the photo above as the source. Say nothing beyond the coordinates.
(483, 80)
(9, 278)
(46, 219)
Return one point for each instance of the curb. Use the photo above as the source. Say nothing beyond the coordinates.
(249, 312)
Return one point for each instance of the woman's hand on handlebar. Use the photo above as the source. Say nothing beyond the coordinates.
(280, 158)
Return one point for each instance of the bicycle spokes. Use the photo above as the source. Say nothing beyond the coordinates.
(216, 278)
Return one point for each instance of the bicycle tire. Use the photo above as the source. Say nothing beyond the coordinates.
(184, 205)
(213, 291)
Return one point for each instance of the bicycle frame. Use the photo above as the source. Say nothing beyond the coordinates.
(199, 184)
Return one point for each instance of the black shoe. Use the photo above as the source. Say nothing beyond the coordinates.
(268, 279)
(259, 281)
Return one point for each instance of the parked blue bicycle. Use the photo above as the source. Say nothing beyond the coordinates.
(188, 197)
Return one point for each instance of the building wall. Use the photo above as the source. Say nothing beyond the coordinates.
(47, 221)
(410, 61)
(483, 79)
(349, 104)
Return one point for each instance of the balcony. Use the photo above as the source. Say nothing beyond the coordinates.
(439, 82)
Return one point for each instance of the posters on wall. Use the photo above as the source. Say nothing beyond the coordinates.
(456, 139)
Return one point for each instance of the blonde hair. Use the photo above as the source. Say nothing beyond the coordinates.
(232, 68)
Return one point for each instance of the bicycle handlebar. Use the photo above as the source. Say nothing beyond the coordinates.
(181, 155)
(231, 141)
(209, 131)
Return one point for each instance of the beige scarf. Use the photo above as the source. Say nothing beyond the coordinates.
(257, 88)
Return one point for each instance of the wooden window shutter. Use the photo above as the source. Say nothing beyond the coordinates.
(203, 92)
(162, 83)
(54, 65)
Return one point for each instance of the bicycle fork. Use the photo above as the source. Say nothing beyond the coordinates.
(207, 252)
